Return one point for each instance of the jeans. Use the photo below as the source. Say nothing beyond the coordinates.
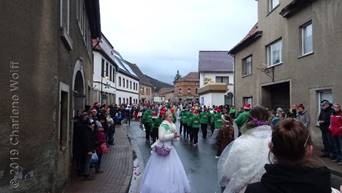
(98, 164)
(327, 141)
(337, 147)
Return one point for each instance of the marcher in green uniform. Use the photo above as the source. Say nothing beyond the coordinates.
(195, 125)
(147, 121)
(218, 120)
(182, 122)
(243, 117)
(188, 124)
(232, 112)
(204, 119)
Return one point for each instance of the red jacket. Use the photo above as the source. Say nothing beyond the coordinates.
(336, 124)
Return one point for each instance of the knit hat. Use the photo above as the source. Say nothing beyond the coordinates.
(301, 106)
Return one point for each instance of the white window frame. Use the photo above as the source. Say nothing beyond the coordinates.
(63, 88)
(67, 26)
(269, 53)
(272, 5)
(320, 98)
(248, 100)
(244, 62)
(303, 33)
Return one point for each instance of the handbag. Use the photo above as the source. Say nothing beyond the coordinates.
(104, 148)
(162, 150)
(94, 158)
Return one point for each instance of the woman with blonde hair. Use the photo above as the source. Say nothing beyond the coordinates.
(164, 171)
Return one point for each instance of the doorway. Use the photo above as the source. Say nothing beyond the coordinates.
(276, 95)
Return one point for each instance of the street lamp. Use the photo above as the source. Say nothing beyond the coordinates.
(101, 99)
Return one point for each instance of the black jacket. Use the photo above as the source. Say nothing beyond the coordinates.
(87, 138)
(292, 179)
(325, 116)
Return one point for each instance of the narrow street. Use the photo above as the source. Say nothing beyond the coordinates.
(199, 162)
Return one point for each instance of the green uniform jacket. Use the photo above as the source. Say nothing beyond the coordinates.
(156, 122)
(242, 118)
(195, 121)
(204, 117)
(188, 118)
(182, 117)
(147, 117)
(218, 120)
(211, 118)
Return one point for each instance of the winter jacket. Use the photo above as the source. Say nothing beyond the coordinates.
(292, 179)
(336, 124)
(204, 117)
(87, 139)
(324, 115)
(195, 121)
(304, 118)
(242, 118)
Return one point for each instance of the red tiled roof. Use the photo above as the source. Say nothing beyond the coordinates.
(252, 35)
(191, 76)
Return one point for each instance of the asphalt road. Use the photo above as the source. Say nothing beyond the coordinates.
(199, 162)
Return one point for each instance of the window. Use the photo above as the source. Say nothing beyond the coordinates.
(119, 100)
(222, 79)
(119, 81)
(123, 80)
(274, 53)
(247, 66)
(180, 90)
(107, 69)
(127, 83)
(247, 100)
(63, 124)
(189, 90)
(64, 15)
(113, 74)
(102, 67)
(110, 72)
(324, 95)
(272, 4)
(307, 47)
(65, 23)
(130, 84)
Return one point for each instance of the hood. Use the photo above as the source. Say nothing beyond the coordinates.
(296, 179)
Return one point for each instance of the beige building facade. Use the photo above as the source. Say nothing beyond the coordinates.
(291, 56)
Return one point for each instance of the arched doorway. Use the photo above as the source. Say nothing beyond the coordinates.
(78, 105)
(78, 93)
(78, 88)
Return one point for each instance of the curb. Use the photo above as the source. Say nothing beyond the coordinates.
(138, 166)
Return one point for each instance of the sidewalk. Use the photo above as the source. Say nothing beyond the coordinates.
(117, 166)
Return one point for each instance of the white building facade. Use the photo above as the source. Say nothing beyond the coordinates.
(216, 78)
(105, 70)
(113, 77)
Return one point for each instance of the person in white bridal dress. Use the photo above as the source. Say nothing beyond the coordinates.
(164, 171)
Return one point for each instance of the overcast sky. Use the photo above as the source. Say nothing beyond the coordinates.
(162, 36)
